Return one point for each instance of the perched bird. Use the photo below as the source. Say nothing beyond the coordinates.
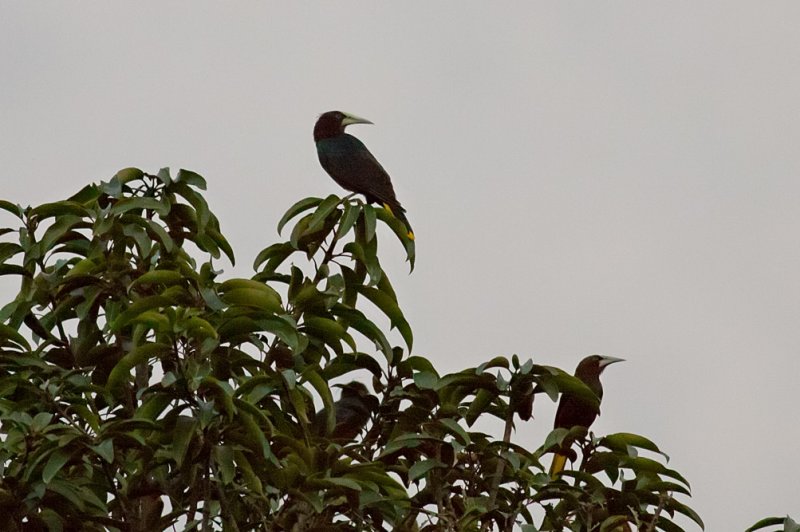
(574, 411)
(350, 163)
(353, 410)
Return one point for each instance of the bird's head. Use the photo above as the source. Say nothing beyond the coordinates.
(352, 389)
(358, 390)
(595, 364)
(332, 123)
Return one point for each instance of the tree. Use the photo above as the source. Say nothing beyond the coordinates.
(140, 390)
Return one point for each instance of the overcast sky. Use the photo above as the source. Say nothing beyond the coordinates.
(582, 177)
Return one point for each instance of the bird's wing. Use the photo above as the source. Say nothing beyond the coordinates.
(351, 164)
(378, 184)
(572, 411)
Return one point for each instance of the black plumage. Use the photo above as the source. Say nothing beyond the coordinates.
(352, 410)
(351, 164)
(574, 410)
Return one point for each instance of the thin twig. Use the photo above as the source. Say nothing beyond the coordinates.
(501, 463)
(662, 501)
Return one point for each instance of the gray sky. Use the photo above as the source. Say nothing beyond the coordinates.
(618, 178)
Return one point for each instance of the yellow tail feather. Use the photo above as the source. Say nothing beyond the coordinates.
(410, 234)
(559, 461)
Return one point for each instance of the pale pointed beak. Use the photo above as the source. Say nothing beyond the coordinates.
(607, 361)
(353, 119)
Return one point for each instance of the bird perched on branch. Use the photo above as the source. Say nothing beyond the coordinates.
(353, 410)
(352, 166)
(576, 411)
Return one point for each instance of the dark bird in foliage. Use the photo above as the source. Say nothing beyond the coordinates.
(576, 411)
(350, 163)
(353, 410)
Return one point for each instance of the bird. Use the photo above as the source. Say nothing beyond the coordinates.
(576, 411)
(352, 166)
(352, 410)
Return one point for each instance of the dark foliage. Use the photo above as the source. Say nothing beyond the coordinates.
(139, 390)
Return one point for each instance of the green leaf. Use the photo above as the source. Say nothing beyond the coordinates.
(456, 430)
(250, 293)
(251, 480)
(16, 210)
(12, 269)
(255, 435)
(555, 438)
(367, 258)
(391, 309)
(8, 250)
(334, 483)
(621, 440)
(496, 362)
(349, 362)
(161, 235)
(284, 328)
(299, 231)
(372, 332)
(297, 398)
(61, 227)
(331, 331)
(418, 363)
(153, 320)
(322, 389)
(614, 523)
(764, 523)
(199, 328)
(52, 519)
(348, 219)
(105, 450)
(140, 354)
(135, 203)
(69, 491)
(369, 222)
(274, 255)
(254, 298)
(40, 421)
(182, 435)
(58, 209)
(400, 230)
(163, 176)
(297, 208)
(426, 380)
(479, 405)
(54, 464)
(191, 178)
(223, 457)
(9, 333)
(222, 243)
(137, 308)
(163, 277)
(324, 210)
(421, 468)
(223, 395)
(565, 382)
(685, 510)
(126, 175)
(197, 202)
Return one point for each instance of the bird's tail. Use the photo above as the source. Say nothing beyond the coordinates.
(400, 213)
(559, 461)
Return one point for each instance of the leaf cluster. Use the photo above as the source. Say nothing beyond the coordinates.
(140, 390)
